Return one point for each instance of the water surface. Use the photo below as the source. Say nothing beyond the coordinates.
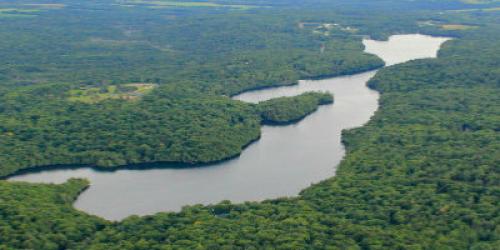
(284, 161)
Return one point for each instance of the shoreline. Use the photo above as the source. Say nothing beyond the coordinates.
(137, 166)
(312, 78)
(171, 165)
(180, 164)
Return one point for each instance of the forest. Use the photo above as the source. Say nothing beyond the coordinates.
(285, 110)
(43, 123)
(422, 174)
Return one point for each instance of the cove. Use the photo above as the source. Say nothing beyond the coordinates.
(284, 161)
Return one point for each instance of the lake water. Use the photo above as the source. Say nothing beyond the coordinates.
(284, 161)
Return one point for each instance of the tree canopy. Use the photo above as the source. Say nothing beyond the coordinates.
(422, 174)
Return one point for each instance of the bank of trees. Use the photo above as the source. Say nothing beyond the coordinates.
(41, 216)
(422, 174)
(195, 59)
(161, 127)
(285, 110)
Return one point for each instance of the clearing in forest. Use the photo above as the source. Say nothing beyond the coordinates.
(169, 3)
(457, 27)
(131, 91)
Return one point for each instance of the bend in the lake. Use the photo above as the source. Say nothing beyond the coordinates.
(284, 161)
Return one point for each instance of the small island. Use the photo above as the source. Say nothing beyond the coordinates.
(286, 110)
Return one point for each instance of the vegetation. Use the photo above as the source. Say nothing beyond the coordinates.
(42, 217)
(457, 27)
(422, 174)
(171, 125)
(20, 13)
(480, 1)
(66, 102)
(285, 110)
(132, 91)
(163, 3)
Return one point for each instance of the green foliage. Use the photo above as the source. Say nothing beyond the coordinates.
(422, 174)
(171, 125)
(291, 109)
(132, 91)
(67, 101)
(42, 217)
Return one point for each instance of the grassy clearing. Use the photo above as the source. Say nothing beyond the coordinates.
(457, 27)
(325, 28)
(480, 1)
(483, 9)
(110, 42)
(8, 15)
(15, 10)
(491, 9)
(46, 5)
(17, 13)
(131, 91)
(178, 4)
(119, 43)
(165, 4)
(447, 26)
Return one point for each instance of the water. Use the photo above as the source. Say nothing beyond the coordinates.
(284, 161)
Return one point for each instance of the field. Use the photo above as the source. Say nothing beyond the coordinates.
(457, 27)
(447, 26)
(46, 5)
(131, 91)
(492, 9)
(480, 1)
(166, 4)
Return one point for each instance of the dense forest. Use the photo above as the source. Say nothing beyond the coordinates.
(422, 174)
(186, 53)
(285, 110)
(47, 106)
(42, 216)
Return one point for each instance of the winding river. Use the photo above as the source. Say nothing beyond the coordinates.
(284, 161)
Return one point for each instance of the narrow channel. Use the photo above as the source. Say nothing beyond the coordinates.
(284, 161)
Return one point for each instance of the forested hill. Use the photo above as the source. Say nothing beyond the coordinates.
(422, 174)
(94, 88)
(136, 85)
